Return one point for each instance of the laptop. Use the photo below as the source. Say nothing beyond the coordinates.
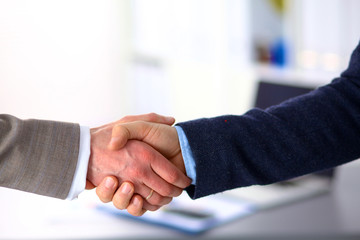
(269, 94)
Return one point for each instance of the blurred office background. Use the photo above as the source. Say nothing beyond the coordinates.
(93, 62)
(96, 61)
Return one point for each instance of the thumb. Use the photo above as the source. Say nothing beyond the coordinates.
(121, 133)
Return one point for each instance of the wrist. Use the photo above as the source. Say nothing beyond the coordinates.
(178, 160)
(179, 163)
(96, 151)
(89, 170)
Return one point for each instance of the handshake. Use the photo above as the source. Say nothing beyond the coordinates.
(137, 163)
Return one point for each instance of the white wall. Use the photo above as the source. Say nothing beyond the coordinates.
(328, 30)
(202, 55)
(64, 60)
(70, 59)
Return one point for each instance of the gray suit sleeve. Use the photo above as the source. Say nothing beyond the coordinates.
(38, 156)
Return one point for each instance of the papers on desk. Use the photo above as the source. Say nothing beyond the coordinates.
(192, 216)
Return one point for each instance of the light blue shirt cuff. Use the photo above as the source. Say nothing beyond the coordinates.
(189, 161)
(79, 180)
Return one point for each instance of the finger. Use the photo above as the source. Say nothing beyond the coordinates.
(154, 198)
(123, 195)
(161, 186)
(135, 207)
(89, 185)
(107, 188)
(153, 207)
(149, 207)
(161, 174)
(170, 173)
(150, 117)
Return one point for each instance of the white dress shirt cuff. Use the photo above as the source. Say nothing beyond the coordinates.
(189, 161)
(79, 180)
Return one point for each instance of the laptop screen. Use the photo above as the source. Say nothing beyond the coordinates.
(269, 94)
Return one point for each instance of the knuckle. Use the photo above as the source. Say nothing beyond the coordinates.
(154, 208)
(168, 200)
(152, 116)
(177, 192)
(119, 204)
(167, 191)
(120, 201)
(102, 195)
(146, 155)
(174, 177)
(161, 201)
(150, 207)
(118, 129)
(137, 173)
(156, 200)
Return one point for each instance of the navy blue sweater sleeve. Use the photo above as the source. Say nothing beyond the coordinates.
(313, 132)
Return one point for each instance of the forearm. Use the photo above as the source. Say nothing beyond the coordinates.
(314, 132)
(38, 156)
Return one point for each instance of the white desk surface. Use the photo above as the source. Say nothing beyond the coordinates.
(337, 214)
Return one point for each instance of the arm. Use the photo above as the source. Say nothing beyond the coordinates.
(41, 157)
(310, 133)
(38, 156)
(306, 134)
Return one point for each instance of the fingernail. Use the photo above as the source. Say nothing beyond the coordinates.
(126, 189)
(109, 183)
(136, 201)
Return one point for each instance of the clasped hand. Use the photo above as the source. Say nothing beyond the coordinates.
(142, 153)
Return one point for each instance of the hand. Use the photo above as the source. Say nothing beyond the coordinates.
(138, 163)
(162, 137)
(150, 117)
